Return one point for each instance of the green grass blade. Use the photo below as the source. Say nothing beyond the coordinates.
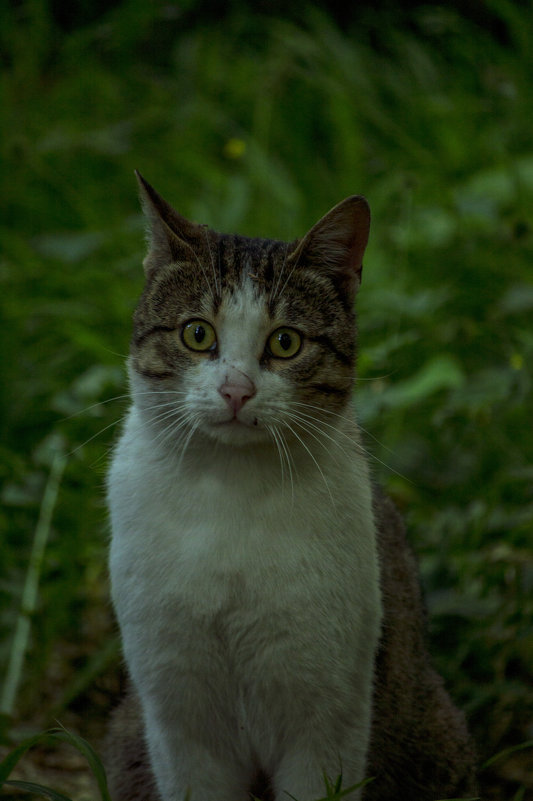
(351, 789)
(21, 636)
(38, 789)
(477, 798)
(334, 793)
(94, 761)
(81, 745)
(7, 765)
(507, 752)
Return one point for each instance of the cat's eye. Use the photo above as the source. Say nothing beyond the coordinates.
(199, 335)
(284, 343)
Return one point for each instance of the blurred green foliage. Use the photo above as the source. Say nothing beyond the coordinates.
(259, 125)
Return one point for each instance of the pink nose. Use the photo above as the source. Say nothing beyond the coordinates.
(236, 395)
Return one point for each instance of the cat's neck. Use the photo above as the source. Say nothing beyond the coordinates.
(266, 464)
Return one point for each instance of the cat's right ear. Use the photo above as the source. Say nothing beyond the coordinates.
(336, 244)
(171, 237)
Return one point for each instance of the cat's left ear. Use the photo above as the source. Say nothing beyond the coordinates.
(337, 243)
(171, 237)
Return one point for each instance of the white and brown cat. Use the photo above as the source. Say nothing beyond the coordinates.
(268, 603)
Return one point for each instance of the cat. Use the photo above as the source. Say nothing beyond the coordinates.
(268, 603)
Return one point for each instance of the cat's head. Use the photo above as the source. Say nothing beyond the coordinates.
(246, 339)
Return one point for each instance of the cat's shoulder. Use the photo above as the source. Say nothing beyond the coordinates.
(398, 563)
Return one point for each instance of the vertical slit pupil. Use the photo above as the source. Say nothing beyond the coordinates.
(199, 333)
(285, 340)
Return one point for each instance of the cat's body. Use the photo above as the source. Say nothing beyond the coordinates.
(247, 542)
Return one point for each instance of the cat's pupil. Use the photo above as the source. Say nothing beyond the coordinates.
(285, 340)
(199, 333)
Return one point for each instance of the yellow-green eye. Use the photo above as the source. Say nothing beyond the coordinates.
(284, 343)
(199, 335)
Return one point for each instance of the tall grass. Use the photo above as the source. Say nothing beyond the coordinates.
(259, 125)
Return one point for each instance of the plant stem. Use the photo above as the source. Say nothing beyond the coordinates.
(29, 595)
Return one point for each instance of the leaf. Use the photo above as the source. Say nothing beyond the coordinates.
(517, 299)
(69, 247)
(338, 793)
(38, 789)
(8, 764)
(507, 752)
(441, 372)
(477, 798)
(94, 761)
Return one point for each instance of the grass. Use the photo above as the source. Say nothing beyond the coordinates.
(334, 790)
(260, 125)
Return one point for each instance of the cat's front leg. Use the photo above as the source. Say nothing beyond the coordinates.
(305, 768)
(186, 770)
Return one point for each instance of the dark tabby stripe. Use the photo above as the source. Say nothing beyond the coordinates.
(159, 376)
(329, 389)
(140, 338)
(326, 342)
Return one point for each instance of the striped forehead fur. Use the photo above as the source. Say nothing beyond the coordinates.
(308, 285)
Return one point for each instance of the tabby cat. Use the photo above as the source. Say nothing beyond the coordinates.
(268, 603)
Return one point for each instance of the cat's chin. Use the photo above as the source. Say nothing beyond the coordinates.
(234, 432)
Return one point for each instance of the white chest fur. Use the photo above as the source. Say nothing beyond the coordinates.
(249, 612)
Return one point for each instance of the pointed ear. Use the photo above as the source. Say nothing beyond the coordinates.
(337, 242)
(171, 237)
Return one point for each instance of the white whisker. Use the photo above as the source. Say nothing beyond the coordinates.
(304, 421)
(302, 442)
(217, 288)
(349, 419)
(194, 423)
(284, 455)
(210, 288)
(354, 441)
(177, 428)
(124, 396)
(294, 266)
(94, 436)
(174, 418)
(290, 461)
(274, 289)
(94, 406)
(274, 432)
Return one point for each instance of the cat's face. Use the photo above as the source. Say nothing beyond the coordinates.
(246, 340)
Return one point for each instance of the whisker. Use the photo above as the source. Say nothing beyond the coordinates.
(194, 423)
(274, 289)
(274, 432)
(217, 288)
(290, 461)
(165, 406)
(357, 444)
(176, 427)
(375, 377)
(294, 266)
(174, 418)
(284, 456)
(94, 436)
(93, 406)
(124, 396)
(304, 420)
(349, 419)
(210, 288)
(302, 442)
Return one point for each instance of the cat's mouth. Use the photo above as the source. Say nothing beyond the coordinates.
(236, 422)
(235, 430)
